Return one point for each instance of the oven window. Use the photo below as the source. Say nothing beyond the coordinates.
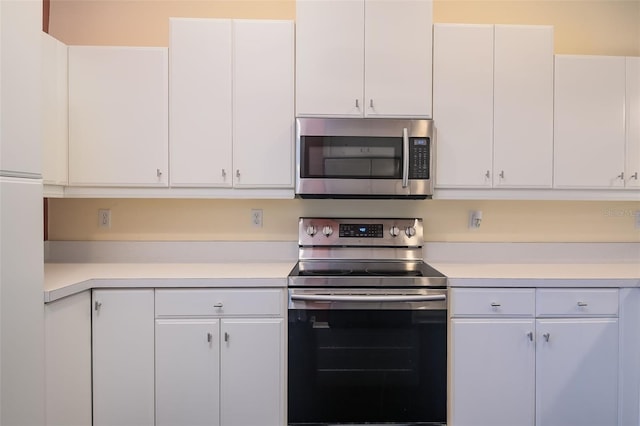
(367, 366)
(351, 157)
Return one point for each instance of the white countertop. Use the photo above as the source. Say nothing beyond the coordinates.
(65, 279)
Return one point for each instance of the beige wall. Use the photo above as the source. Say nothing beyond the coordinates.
(604, 27)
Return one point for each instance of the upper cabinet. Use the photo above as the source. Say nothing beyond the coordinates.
(231, 103)
(21, 88)
(632, 114)
(589, 122)
(55, 111)
(363, 58)
(493, 105)
(118, 116)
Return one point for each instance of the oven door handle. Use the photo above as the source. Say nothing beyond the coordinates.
(367, 298)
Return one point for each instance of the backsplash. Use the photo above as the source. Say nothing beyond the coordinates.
(444, 220)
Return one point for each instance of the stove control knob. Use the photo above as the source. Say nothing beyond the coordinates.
(327, 230)
(394, 231)
(311, 230)
(410, 231)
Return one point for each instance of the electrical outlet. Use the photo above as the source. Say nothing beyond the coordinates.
(256, 218)
(104, 218)
(475, 218)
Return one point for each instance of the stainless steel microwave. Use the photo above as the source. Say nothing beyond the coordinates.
(364, 158)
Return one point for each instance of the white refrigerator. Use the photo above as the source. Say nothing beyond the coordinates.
(22, 347)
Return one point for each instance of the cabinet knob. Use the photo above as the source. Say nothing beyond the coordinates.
(546, 336)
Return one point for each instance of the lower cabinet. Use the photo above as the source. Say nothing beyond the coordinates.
(122, 357)
(219, 361)
(542, 357)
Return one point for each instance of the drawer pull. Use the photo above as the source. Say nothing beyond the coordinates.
(530, 335)
(218, 305)
(495, 305)
(546, 336)
(582, 304)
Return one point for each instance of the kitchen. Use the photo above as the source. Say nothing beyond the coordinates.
(139, 224)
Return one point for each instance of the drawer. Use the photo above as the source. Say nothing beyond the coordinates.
(495, 302)
(219, 302)
(554, 302)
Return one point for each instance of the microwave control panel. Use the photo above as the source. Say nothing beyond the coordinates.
(419, 158)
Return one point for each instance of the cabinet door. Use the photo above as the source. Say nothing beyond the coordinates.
(55, 111)
(493, 372)
(523, 106)
(123, 348)
(118, 116)
(187, 372)
(632, 114)
(398, 58)
(263, 112)
(577, 372)
(200, 102)
(252, 373)
(463, 104)
(329, 57)
(589, 121)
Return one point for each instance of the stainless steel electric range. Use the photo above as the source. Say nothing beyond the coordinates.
(367, 326)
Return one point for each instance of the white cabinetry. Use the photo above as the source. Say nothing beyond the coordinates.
(497, 81)
(231, 104)
(219, 357)
(118, 116)
(560, 370)
(368, 58)
(123, 349)
(589, 147)
(68, 360)
(55, 111)
(632, 114)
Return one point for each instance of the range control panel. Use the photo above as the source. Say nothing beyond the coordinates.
(360, 232)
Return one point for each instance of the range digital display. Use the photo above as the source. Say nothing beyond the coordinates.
(365, 230)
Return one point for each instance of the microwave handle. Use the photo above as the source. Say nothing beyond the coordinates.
(405, 158)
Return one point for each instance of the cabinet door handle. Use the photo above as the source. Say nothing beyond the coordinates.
(546, 336)
(226, 337)
(634, 176)
(530, 335)
(357, 103)
(488, 174)
(224, 173)
(621, 176)
(582, 304)
(158, 172)
(495, 305)
(501, 174)
(371, 104)
(218, 305)
(209, 337)
(97, 305)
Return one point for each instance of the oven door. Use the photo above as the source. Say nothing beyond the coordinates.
(363, 157)
(367, 356)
